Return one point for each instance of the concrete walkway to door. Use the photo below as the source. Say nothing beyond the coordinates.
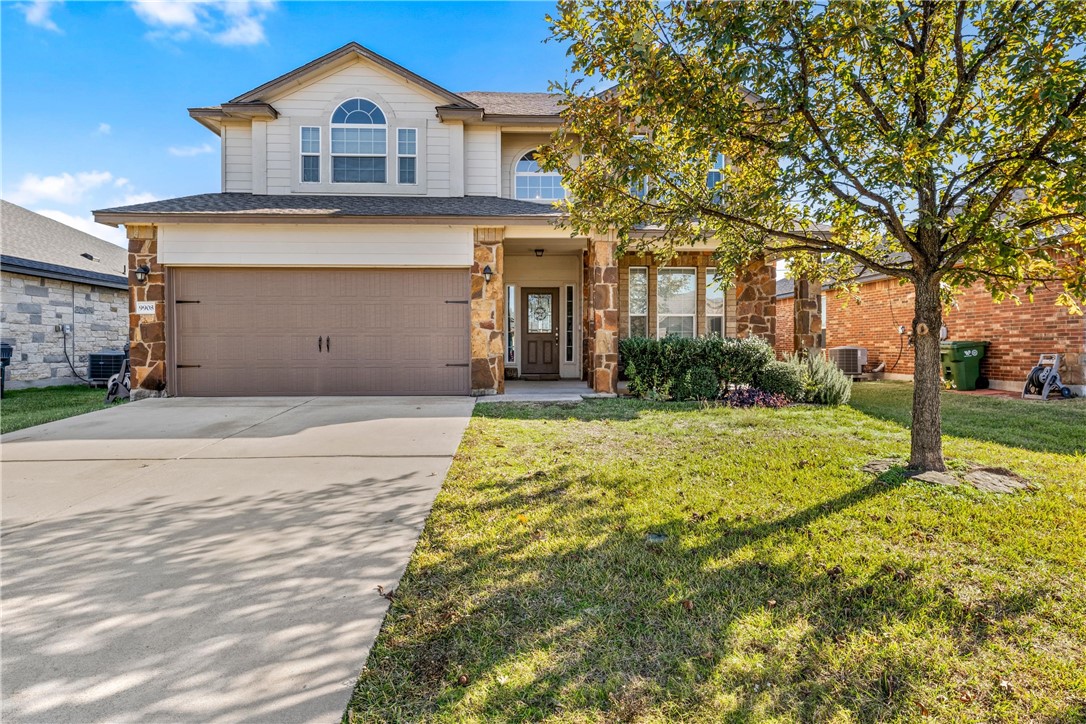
(210, 560)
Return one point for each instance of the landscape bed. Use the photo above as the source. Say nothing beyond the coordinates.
(625, 560)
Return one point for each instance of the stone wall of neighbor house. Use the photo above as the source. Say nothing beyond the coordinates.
(755, 300)
(1018, 333)
(147, 357)
(31, 308)
(488, 313)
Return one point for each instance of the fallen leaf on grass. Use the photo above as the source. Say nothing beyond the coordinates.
(390, 594)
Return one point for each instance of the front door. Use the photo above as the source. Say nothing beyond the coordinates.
(540, 332)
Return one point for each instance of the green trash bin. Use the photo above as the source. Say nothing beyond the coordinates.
(961, 363)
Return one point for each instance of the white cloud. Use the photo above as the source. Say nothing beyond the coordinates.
(38, 13)
(104, 129)
(138, 198)
(64, 188)
(88, 225)
(186, 151)
(226, 22)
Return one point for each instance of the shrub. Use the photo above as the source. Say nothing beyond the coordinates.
(826, 383)
(655, 368)
(698, 383)
(753, 397)
(785, 379)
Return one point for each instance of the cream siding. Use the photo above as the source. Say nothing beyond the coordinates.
(481, 173)
(279, 161)
(237, 141)
(315, 245)
(438, 159)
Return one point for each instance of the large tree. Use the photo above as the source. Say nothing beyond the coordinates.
(941, 143)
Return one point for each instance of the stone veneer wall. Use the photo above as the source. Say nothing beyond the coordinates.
(806, 315)
(755, 297)
(603, 322)
(30, 310)
(488, 313)
(147, 356)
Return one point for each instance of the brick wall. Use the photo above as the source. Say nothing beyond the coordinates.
(32, 307)
(786, 319)
(1017, 333)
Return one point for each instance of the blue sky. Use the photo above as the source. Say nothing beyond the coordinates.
(94, 94)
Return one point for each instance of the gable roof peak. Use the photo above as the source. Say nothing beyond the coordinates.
(351, 49)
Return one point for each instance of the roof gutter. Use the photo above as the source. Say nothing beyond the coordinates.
(117, 219)
(15, 265)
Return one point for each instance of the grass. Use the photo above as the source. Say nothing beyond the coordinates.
(36, 406)
(621, 560)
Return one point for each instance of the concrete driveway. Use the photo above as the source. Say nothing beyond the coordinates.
(210, 560)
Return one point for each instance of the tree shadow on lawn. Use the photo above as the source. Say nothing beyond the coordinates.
(1049, 427)
(528, 626)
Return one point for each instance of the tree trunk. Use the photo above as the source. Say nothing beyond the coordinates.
(927, 432)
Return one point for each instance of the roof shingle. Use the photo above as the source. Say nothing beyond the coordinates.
(515, 104)
(237, 204)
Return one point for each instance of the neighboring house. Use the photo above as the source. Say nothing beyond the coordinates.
(64, 295)
(1017, 333)
(379, 234)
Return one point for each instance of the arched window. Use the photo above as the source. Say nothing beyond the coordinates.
(359, 143)
(535, 184)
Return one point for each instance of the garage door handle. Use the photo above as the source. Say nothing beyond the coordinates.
(320, 344)
(456, 364)
(328, 343)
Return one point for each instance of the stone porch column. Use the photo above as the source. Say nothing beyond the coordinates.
(146, 333)
(756, 300)
(807, 316)
(488, 313)
(603, 321)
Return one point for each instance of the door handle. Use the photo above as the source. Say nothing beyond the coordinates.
(328, 343)
(320, 344)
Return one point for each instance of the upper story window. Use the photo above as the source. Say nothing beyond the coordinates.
(716, 173)
(311, 154)
(359, 143)
(535, 184)
(407, 155)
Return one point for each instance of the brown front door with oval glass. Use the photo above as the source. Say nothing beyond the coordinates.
(540, 330)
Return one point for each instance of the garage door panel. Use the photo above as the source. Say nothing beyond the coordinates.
(255, 332)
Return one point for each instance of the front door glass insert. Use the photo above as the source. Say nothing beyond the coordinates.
(540, 314)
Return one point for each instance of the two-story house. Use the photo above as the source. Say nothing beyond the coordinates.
(379, 234)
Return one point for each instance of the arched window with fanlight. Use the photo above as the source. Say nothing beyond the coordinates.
(535, 184)
(359, 143)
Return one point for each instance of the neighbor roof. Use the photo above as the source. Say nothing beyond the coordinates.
(37, 245)
(516, 104)
(279, 207)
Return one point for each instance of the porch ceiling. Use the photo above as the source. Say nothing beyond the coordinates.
(527, 247)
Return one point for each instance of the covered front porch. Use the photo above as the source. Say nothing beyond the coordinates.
(546, 306)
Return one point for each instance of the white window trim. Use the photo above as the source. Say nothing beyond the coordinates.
(629, 296)
(659, 315)
(302, 154)
(569, 320)
(511, 312)
(414, 155)
(710, 273)
(332, 156)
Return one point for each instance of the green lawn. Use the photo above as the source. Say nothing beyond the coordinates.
(621, 560)
(23, 408)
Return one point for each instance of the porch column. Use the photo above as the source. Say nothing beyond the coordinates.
(488, 313)
(756, 300)
(603, 322)
(807, 316)
(146, 332)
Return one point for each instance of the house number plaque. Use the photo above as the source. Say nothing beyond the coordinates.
(146, 308)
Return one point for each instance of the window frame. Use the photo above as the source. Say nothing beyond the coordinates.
(664, 270)
(303, 154)
(630, 316)
(414, 156)
(511, 325)
(710, 276)
(518, 174)
(570, 339)
(332, 125)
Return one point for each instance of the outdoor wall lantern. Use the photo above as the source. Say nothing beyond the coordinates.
(487, 273)
(141, 273)
(539, 252)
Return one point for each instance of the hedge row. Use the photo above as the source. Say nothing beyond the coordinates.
(706, 368)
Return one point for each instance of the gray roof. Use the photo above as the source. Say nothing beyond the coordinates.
(786, 288)
(32, 243)
(515, 104)
(316, 205)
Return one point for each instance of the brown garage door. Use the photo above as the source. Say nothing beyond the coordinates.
(320, 332)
